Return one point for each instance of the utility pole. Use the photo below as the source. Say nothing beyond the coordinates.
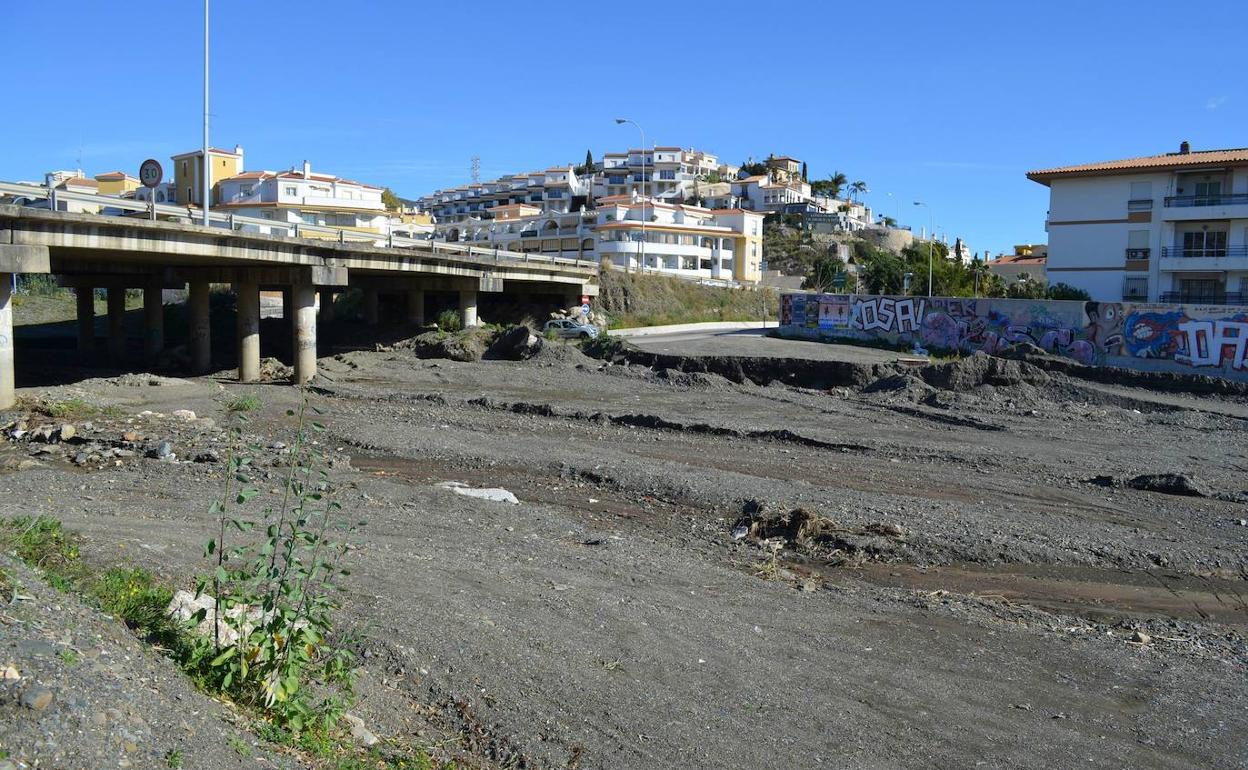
(207, 167)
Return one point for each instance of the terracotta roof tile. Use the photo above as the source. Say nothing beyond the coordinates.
(1169, 160)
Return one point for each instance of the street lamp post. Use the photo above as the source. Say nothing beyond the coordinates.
(641, 262)
(931, 235)
(207, 167)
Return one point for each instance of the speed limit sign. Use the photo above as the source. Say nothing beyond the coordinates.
(150, 173)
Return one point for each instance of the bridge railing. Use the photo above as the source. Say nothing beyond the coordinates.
(52, 198)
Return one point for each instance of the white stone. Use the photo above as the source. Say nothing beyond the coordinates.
(494, 494)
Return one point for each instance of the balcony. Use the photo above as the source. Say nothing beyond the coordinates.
(1197, 207)
(1204, 298)
(1138, 253)
(1187, 201)
(1177, 258)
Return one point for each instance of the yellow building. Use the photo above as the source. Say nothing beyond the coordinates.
(116, 183)
(188, 170)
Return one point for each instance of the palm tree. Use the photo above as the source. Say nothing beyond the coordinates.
(836, 183)
(979, 270)
(857, 188)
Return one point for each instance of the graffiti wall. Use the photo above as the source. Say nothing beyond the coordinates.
(1203, 339)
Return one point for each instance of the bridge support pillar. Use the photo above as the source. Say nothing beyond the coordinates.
(371, 307)
(327, 305)
(85, 297)
(116, 324)
(468, 308)
(416, 306)
(248, 303)
(153, 321)
(8, 380)
(302, 312)
(200, 329)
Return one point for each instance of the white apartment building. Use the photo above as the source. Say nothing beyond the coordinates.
(301, 196)
(630, 233)
(1160, 228)
(669, 174)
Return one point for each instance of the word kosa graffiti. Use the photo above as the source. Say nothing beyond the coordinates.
(1090, 332)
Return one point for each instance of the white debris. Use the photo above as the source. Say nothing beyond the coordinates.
(495, 494)
(183, 414)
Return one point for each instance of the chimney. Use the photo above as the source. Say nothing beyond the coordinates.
(307, 170)
(1185, 148)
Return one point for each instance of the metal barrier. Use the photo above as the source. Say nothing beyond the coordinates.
(238, 222)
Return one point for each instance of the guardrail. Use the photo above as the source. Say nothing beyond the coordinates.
(1186, 201)
(54, 197)
(1204, 298)
(1192, 253)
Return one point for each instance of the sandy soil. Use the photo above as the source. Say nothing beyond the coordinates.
(975, 604)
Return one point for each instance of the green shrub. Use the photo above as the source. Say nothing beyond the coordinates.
(247, 403)
(277, 594)
(43, 543)
(134, 597)
(449, 321)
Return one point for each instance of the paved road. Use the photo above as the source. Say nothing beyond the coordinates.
(753, 342)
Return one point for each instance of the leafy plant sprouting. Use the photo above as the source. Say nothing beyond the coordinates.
(274, 594)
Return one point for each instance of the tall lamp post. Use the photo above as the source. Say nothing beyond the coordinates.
(645, 174)
(207, 168)
(931, 236)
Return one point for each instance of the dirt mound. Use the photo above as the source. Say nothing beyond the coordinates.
(810, 534)
(519, 343)
(1168, 484)
(974, 371)
(469, 345)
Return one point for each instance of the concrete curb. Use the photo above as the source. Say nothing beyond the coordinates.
(710, 326)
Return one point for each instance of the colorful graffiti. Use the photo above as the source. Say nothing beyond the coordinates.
(1125, 334)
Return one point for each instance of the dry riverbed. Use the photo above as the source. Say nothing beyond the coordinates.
(987, 566)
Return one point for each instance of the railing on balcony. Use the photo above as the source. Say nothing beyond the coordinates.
(1225, 251)
(1205, 298)
(1138, 253)
(1188, 201)
(1140, 204)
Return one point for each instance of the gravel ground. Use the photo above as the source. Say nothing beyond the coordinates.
(984, 598)
(754, 342)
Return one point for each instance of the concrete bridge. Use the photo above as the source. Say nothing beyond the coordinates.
(116, 253)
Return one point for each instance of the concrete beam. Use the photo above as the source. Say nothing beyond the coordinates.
(8, 379)
(153, 322)
(269, 276)
(200, 328)
(116, 323)
(416, 306)
(85, 301)
(113, 281)
(327, 305)
(302, 313)
(468, 308)
(24, 259)
(248, 304)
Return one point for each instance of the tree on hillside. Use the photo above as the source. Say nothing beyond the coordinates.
(390, 200)
(979, 272)
(889, 222)
(1026, 287)
(588, 166)
(823, 273)
(830, 187)
(883, 273)
(857, 188)
(750, 168)
(804, 171)
(1066, 291)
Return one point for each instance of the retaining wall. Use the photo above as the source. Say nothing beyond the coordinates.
(1191, 339)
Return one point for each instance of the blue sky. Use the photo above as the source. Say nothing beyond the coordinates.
(949, 103)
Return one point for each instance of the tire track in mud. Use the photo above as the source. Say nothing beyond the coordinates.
(634, 420)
